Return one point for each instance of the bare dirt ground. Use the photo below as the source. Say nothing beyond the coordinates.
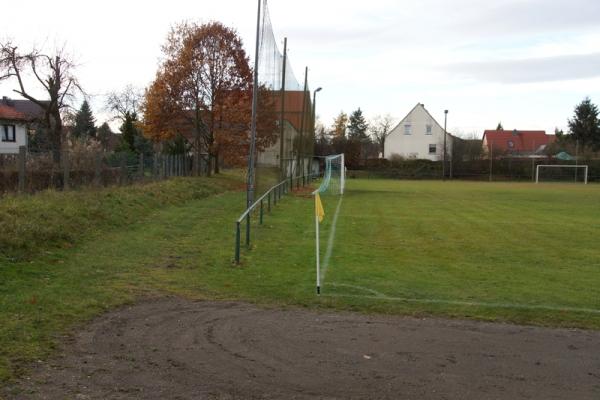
(179, 349)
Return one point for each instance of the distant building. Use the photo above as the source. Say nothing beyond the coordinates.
(18, 119)
(13, 129)
(515, 143)
(418, 136)
(292, 117)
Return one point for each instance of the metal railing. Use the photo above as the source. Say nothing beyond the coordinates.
(271, 197)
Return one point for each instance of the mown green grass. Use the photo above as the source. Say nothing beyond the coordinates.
(498, 244)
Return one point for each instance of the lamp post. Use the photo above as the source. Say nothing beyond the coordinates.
(444, 155)
(314, 119)
(317, 90)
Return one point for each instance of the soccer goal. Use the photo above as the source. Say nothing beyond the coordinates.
(334, 180)
(561, 173)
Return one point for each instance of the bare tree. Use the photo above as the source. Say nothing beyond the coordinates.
(55, 73)
(380, 128)
(124, 103)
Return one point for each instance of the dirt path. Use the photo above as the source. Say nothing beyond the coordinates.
(178, 349)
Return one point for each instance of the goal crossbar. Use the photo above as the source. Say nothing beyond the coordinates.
(585, 168)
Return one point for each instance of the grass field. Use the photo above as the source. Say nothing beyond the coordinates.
(519, 252)
(509, 252)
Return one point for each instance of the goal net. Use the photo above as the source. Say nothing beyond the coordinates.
(334, 179)
(334, 176)
(561, 173)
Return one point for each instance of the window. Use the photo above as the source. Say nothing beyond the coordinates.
(8, 133)
(428, 129)
(432, 149)
(407, 129)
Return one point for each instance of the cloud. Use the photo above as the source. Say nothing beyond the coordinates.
(547, 69)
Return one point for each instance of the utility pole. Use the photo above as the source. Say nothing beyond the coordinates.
(314, 118)
(282, 120)
(491, 159)
(576, 158)
(444, 155)
(533, 162)
(303, 116)
(250, 181)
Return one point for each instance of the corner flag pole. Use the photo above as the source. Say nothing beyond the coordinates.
(317, 242)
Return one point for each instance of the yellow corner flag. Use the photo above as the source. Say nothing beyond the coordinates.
(319, 207)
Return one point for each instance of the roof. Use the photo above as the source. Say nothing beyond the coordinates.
(10, 113)
(28, 108)
(430, 116)
(516, 140)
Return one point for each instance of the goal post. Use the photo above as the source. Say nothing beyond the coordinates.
(576, 167)
(333, 183)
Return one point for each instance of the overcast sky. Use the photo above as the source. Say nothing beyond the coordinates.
(523, 62)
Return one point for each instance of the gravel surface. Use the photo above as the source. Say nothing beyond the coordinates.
(174, 348)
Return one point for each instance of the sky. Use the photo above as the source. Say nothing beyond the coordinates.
(525, 63)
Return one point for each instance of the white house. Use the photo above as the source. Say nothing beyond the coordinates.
(418, 135)
(13, 129)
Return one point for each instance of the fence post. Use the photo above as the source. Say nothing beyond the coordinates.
(248, 230)
(237, 242)
(123, 169)
(98, 169)
(22, 157)
(65, 161)
(261, 212)
(269, 202)
(141, 167)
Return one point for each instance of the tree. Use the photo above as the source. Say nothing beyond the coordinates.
(340, 124)
(127, 101)
(54, 73)
(585, 126)
(129, 132)
(205, 86)
(380, 128)
(357, 127)
(85, 123)
(103, 134)
(499, 127)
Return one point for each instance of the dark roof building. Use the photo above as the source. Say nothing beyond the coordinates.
(26, 108)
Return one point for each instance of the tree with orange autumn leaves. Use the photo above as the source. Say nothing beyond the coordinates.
(204, 87)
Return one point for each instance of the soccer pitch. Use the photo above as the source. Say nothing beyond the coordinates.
(502, 251)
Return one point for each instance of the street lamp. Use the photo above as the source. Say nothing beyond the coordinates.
(314, 116)
(444, 155)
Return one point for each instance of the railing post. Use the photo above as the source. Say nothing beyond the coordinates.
(237, 242)
(141, 166)
(274, 197)
(22, 156)
(261, 212)
(269, 202)
(248, 230)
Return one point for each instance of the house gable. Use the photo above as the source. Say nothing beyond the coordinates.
(417, 135)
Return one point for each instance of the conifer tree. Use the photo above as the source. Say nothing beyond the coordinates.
(357, 127)
(85, 123)
(585, 125)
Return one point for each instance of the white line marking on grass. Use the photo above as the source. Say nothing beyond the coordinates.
(330, 240)
(379, 296)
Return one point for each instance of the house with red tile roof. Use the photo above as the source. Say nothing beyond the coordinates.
(515, 143)
(13, 128)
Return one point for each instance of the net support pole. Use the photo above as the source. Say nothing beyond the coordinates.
(342, 174)
(317, 248)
